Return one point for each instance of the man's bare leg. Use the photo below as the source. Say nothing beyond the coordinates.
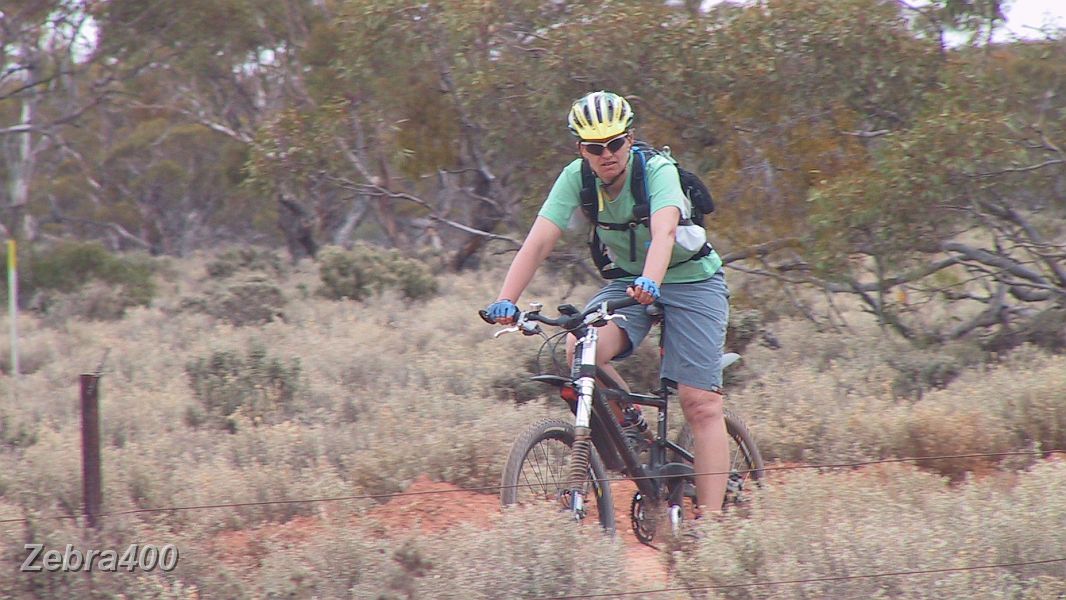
(704, 412)
(611, 342)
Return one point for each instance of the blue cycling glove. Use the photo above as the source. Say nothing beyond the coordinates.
(648, 286)
(501, 309)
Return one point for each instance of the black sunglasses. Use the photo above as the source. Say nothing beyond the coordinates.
(614, 145)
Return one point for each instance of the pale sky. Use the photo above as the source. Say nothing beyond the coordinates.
(1022, 17)
(1024, 14)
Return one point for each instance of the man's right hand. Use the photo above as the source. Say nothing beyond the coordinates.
(502, 311)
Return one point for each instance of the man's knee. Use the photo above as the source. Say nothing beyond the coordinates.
(701, 406)
(611, 342)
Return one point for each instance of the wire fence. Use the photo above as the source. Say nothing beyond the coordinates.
(496, 488)
(647, 591)
(825, 579)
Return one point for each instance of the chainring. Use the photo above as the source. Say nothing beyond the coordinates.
(644, 516)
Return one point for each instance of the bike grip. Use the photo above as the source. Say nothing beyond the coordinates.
(484, 314)
(614, 305)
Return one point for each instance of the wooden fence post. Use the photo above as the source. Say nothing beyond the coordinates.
(90, 447)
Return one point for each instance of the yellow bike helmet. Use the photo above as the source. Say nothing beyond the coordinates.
(599, 116)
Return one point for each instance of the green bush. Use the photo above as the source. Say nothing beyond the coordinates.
(95, 301)
(53, 280)
(231, 388)
(245, 259)
(533, 553)
(16, 431)
(248, 300)
(921, 371)
(357, 273)
(891, 518)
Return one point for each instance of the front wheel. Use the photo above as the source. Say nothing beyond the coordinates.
(745, 462)
(538, 468)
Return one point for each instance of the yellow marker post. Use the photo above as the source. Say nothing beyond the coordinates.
(12, 307)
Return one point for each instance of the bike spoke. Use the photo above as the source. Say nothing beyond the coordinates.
(541, 466)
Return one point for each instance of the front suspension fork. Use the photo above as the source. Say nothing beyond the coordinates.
(581, 453)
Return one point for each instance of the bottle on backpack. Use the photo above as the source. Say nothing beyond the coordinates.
(691, 234)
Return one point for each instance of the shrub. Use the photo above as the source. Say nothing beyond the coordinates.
(54, 280)
(249, 300)
(34, 354)
(16, 431)
(744, 326)
(515, 385)
(888, 519)
(255, 387)
(921, 371)
(356, 273)
(245, 259)
(342, 277)
(95, 301)
(533, 553)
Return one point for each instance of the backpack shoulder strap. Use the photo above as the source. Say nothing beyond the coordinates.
(638, 183)
(589, 193)
(590, 196)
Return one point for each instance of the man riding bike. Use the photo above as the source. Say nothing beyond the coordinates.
(689, 284)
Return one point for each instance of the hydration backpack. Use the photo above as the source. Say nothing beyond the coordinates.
(697, 193)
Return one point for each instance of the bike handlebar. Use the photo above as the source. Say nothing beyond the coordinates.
(567, 321)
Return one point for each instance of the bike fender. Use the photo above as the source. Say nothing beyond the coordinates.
(552, 380)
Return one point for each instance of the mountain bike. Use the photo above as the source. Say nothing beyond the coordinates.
(566, 463)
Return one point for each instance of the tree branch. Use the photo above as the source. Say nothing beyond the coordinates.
(122, 232)
(891, 282)
(760, 250)
(995, 260)
(1046, 163)
(375, 190)
(868, 134)
(886, 317)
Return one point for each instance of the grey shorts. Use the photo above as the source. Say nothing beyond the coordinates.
(694, 334)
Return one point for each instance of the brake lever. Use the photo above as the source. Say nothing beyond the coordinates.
(526, 326)
(511, 329)
(598, 319)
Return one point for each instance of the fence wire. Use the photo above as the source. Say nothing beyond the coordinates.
(487, 488)
(829, 578)
(650, 591)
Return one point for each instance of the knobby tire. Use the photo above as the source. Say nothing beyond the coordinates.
(528, 476)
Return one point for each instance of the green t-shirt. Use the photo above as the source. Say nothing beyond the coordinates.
(663, 190)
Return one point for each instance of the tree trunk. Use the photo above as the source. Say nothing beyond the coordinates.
(297, 225)
(21, 172)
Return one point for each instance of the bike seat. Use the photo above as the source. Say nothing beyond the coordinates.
(729, 358)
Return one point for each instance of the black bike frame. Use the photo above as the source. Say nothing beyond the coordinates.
(594, 423)
(613, 447)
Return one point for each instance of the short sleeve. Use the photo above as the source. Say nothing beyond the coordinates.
(664, 186)
(564, 197)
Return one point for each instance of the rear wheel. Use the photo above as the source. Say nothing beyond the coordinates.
(538, 468)
(745, 462)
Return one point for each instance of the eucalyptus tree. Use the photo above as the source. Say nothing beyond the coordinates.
(968, 206)
(417, 115)
(174, 144)
(49, 81)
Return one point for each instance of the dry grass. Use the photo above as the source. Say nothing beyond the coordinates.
(393, 389)
(889, 519)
